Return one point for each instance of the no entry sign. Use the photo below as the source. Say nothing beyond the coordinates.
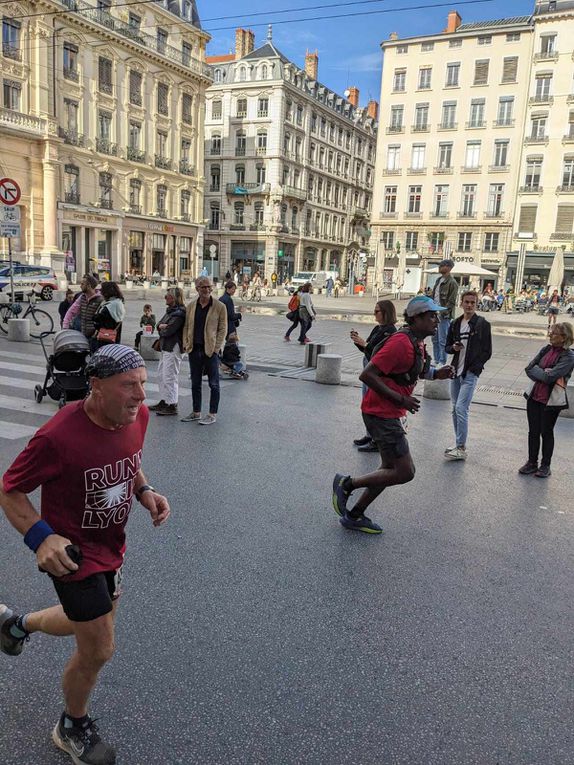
(9, 192)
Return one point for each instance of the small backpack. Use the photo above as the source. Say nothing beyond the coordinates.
(421, 363)
(293, 303)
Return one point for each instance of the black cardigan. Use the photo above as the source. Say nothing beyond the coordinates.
(479, 346)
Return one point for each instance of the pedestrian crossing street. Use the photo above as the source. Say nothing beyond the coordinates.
(21, 415)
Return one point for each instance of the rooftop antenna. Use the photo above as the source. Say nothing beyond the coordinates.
(270, 32)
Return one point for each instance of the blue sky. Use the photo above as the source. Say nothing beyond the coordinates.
(349, 52)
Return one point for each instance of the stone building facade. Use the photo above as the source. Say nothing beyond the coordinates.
(289, 166)
(102, 126)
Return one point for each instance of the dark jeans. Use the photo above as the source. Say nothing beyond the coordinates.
(541, 422)
(198, 361)
(292, 327)
(305, 327)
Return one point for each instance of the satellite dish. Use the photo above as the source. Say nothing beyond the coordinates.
(347, 93)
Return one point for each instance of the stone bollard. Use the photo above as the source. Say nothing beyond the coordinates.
(328, 369)
(312, 350)
(243, 353)
(146, 350)
(437, 389)
(19, 330)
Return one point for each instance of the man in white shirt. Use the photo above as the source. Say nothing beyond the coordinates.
(469, 339)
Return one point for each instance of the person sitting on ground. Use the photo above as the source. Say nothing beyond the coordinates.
(147, 320)
(386, 317)
(231, 358)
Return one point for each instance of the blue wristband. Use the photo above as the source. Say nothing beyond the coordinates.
(36, 535)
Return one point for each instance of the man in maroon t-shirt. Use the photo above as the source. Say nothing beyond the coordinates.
(87, 461)
(391, 376)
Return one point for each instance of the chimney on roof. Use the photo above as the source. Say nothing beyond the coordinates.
(312, 65)
(453, 22)
(373, 109)
(244, 42)
(353, 97)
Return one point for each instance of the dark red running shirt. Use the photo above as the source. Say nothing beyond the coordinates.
(86, 474)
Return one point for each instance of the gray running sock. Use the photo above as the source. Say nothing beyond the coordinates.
(18, 630)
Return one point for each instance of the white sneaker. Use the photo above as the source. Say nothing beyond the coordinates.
(209, 419)
(450, 449)
(459, 453)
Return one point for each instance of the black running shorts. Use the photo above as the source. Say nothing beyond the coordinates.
(89, 598)
(388, 434)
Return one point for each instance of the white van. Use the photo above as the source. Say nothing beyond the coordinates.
(317, 278)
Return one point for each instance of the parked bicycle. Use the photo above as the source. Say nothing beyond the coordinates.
(40, 321)
(251, 294)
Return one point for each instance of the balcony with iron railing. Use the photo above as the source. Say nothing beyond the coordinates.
(563, 236)
(71, 74)
(531, 188)
(164, 163)
(447, 126)
(72, 197)
(423, 128)
(106, 147)
(161, 212)
(357, 211)
(150, 43)
(388, 215)
(185, 168)
(105, 203)
(565, 189)
(391, 171)
(439, 214)
(507, 122)
(11, 51)
(546, 55)
(474, 124)
(443, 170)
(237, 227)
(293, 192)
(568, 137)
(257, 227)
(416, 171)
(240, 151)
(186, 217)
(498, 168)
(71, 137)
(471, 169)
(541, 140)
(413, 214)
(541, 99)
(107, 87)
(135, 209)
(135, 155)
(395, 129)
(467, 214)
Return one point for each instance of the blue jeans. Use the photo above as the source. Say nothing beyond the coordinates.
(439, 341)
(461, 392)
(198, 361)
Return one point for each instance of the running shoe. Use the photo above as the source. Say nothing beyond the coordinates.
(157, 407)
(340, 496)
(362, 523)
(191, 417)
(458, 453)
(208, 419)
(84, 745)
(362, 441)
(543, 472)
(528, 468)
(9, 644)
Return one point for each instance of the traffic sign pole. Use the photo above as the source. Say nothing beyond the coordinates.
(10, 196)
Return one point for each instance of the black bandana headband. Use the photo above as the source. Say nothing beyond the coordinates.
(113, 360)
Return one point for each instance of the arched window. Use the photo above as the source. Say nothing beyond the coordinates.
(260, 173)
(216, 143)
(239, 210)
(240, 143)
(262, 142)
(217, 77)
(242, 74)
(263, 72)
(259, 211)
(215, 216)
(240, 174)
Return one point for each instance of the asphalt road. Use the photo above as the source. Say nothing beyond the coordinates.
(255, 630)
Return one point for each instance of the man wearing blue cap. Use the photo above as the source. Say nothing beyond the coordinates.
(444, 293)
(87, 461)
(391, 377)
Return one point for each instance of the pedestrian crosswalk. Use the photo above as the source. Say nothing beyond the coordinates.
(20, 372)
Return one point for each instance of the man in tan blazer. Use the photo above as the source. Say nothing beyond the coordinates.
(203, 337)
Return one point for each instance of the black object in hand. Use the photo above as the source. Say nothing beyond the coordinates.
(74, 553)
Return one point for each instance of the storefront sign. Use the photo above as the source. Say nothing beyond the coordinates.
(87, 218)
(164, 227)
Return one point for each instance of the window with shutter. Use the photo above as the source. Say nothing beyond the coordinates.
(162, 98)
(135, 88)
(527, 219)
(481, 72)
(105, 75)
(510, 69)
(564, 219)
(186, 109)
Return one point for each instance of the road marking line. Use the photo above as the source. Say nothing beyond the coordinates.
(10, 431)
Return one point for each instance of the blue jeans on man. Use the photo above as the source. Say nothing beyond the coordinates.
(439, 340)
(198, 362)
(461, 392)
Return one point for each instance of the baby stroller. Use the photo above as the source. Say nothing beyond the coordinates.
(230, 359)
(65, 368)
